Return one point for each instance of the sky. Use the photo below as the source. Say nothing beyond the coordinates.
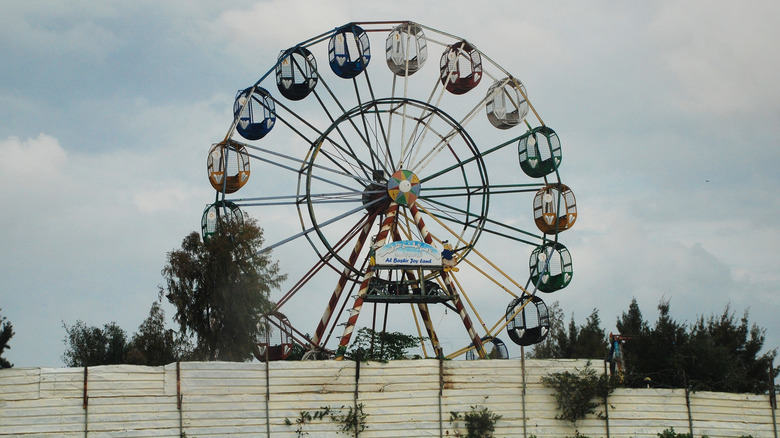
(668, 113)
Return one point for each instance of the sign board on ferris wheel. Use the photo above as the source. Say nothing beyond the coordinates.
(408, 253)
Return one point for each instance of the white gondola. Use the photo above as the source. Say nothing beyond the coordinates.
(506, 103)
(406, 49)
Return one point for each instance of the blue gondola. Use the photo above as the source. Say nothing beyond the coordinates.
(349, 51)
(256, 114)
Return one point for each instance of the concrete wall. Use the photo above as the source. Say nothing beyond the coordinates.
(400, 399)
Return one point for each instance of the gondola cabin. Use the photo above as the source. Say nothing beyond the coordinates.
(460, 68)
(406, 49)
(555, 208)
(506, 103)
(255, 112)
(274, 341)
(540, 152)
(495, 349)
(296, 73)
(228, 166)
(551, 267)
(349, 51)
(216, 213)
(528, 320)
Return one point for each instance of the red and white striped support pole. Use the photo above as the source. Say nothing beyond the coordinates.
(418, 220)
(387, 226)
(334, 298)
(475, 339)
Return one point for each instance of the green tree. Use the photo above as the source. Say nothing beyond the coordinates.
(591, 341)
(723, 355)
(631, 323)
(587, 341)
(651, 355)
(381, 346)
(718, 353)
(220, 289)
(6, 333)
(91, 346)
(153, 344)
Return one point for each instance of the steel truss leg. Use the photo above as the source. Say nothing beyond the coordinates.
(334, 298)
(387, 225)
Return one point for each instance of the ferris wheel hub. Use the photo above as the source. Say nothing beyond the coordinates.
(403, 187)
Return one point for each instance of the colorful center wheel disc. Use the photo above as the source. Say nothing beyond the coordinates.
(404, 187)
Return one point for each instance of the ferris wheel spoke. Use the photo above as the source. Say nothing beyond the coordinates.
(465, 226)
(467, 191)
(364, 134)
(376, 147)
(321, 225)
(511, 189)
(337, 198)
(413, 146)
(300, 120)
(309, 230)
(340, 172)
(434, 150)
(478, 253)
(347, 147)
(379, 131)
(468, 160)
(359, 229)
(361, 153)
(344, 162)
(267, 201)
(268, 248)
(465, 218)
(508, 229)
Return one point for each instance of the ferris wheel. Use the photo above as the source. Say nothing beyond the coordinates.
(430, 188)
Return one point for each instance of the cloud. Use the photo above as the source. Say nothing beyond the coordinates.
(60, 32)
(31, 162)
(724, 59)
(168, 199)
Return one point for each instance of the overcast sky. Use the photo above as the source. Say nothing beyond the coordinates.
(668, 111)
